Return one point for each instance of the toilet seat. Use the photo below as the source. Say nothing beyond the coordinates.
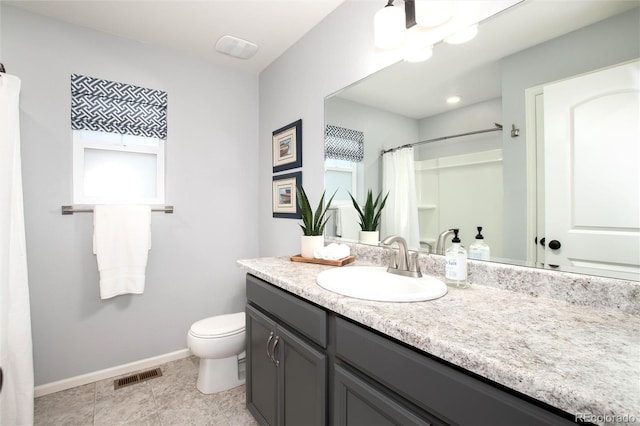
(219, 326)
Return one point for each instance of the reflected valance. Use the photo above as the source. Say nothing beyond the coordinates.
(343, 144)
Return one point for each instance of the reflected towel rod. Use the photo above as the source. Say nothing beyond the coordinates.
(71, 210)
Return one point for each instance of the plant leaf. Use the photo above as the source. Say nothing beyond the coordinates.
(305, 209)
(376, 221)
(358, 210)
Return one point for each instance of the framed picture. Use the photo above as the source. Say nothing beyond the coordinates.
(285, 202)
(287, 147)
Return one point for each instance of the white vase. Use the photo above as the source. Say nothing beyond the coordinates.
(369, 237)
(309, 243)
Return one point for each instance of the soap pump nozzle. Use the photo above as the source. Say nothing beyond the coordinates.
(455, 236)
(479, 236)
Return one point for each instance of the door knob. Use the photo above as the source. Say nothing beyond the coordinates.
(554, 244)
(542, 240)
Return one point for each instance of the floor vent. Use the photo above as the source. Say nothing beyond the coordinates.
(136, 378)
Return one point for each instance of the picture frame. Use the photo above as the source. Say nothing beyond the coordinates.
(287, 147)
(285, 197)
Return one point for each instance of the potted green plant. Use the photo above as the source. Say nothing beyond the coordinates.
(370, 217)
(312, 223)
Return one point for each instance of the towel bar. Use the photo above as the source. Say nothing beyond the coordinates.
(71, 210)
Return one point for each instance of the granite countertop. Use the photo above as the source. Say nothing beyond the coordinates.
(582, 360)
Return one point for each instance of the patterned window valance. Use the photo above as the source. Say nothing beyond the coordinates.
(343, 144)
(108, 106)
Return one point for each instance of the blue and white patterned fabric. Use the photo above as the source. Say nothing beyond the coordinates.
(343, 144)
(108, 106)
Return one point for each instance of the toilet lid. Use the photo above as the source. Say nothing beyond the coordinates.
(219, 326)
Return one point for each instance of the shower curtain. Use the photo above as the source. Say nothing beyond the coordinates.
(400, 215)
(16, 356)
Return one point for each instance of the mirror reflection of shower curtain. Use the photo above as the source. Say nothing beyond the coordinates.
(400, 215)
(16, 356)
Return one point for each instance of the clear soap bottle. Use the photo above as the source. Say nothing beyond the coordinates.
(479, 249)
(456, 263)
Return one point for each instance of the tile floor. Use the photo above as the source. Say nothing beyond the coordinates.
(168, 400)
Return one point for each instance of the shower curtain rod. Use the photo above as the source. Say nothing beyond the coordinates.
(495, 129)
(71, 210)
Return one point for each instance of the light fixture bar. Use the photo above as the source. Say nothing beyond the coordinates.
(410, 13)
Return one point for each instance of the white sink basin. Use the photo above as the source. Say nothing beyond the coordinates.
(375, 283)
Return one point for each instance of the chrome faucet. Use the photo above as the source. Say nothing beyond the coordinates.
(402, 263)
(441, 241)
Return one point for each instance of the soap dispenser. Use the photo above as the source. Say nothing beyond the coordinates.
(456, 263)
(479, 249)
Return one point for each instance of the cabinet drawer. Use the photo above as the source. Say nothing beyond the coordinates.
(303, 317)
(437, 388)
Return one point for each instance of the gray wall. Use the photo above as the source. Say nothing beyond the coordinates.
(211, 171)
(605, 43)
(334, 54)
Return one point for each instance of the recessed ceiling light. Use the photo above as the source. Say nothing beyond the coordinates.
(453, 99)
(236, 47)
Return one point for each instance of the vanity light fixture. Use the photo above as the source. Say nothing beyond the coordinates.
(408, 28)
(413, 27)
(434, 13)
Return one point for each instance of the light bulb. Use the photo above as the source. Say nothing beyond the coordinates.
(462, 36)
(433, 13)
(389, 27)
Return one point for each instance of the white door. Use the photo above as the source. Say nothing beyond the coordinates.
(592, 163)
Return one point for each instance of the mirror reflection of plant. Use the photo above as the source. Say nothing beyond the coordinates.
(313, 223)
(370, 215)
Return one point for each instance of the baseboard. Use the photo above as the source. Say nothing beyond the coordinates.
(95, 376)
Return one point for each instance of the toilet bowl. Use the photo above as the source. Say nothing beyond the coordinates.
(218, 341)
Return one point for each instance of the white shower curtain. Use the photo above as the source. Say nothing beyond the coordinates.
(400, 215)
(16, 356)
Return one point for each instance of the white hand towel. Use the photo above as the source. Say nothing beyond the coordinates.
(332, 252)
(121, 243)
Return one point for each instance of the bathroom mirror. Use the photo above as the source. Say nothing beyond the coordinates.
(494, 178)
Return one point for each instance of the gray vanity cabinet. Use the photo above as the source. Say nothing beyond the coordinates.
(286, 370)
(296, 349)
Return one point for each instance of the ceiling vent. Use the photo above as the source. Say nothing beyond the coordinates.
(236, 47)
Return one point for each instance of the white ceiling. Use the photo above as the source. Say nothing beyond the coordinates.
(193, 27)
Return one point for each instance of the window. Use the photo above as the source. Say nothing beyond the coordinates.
(340, 176)
(343, 151)
(114, 168)
(119, 131)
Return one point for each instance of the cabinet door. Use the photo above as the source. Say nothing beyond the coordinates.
(261, 371)
(356, 403)
(302, 378)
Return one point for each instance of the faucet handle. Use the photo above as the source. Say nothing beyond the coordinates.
(393, 260)
(414, 265)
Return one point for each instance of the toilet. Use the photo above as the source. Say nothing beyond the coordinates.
(219, 342)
